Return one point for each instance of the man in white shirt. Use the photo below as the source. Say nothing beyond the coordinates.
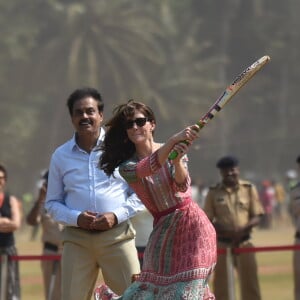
(94, 208)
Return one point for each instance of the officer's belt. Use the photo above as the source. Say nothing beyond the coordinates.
(229, 240)
(50, 246)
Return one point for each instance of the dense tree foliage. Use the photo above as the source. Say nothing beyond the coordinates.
(177, 56)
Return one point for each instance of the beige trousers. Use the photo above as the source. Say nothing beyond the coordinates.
(84, 253)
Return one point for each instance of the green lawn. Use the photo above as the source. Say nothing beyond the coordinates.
(275, 268)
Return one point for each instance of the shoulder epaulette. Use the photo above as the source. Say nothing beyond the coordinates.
(246, 183)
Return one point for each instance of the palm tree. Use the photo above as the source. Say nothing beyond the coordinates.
(100, 43)
(187, 82)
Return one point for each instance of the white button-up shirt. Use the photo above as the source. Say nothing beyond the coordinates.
(77, 184)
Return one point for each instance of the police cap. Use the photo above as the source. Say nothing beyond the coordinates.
(227, 162)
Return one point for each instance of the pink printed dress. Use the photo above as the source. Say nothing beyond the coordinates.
(181, 252)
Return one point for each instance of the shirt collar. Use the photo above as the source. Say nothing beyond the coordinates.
(231, 188)
(74, 145)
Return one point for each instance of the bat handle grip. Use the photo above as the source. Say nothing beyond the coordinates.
(174, 153)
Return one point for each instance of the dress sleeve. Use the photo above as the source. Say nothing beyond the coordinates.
(132, 170)
(182, 187)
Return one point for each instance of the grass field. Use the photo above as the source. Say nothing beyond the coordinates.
(275, 268)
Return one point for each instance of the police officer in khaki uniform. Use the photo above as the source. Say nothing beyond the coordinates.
(52, 243)
(295, 211)
(234, 208)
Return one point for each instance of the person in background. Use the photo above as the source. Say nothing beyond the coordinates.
(52, 242)
(291, 177)
(95, 209)
(268, 199)
(181, 251)
(295, 212)
(234, 208)
(280, 196)
(10, 221)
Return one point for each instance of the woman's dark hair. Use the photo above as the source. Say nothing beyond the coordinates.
(83, 93)
(116, 147)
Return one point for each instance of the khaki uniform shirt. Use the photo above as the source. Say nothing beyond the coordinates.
(295, 205)
(232, 208)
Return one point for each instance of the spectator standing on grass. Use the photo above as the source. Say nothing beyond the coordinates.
(52, 242)
(291, 181)
(10, 221)
(295, 211)
(95, 209)
(234, 208)
(280, 196)
(268, 200)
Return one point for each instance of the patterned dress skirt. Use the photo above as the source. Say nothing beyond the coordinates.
(178, 261)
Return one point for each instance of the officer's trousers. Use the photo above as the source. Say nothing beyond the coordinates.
(296, 268)
(246, 268)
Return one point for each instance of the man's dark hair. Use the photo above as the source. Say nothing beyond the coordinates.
(298, 159)
(83, 93)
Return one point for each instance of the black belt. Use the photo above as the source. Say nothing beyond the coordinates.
(297, 235)
(229, 241)
(92, 231)
(50, 246)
